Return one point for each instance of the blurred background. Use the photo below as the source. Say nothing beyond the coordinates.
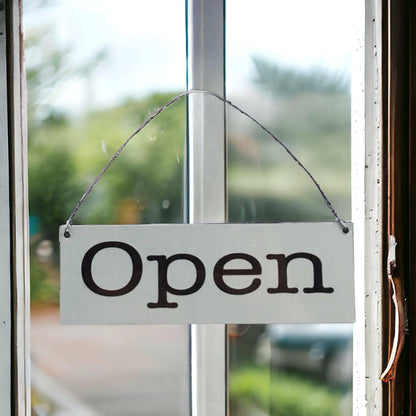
(95, 71)
(288, 65)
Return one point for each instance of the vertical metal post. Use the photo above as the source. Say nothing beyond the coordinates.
(207, 194)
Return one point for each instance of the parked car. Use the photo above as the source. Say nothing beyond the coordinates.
(322, 349)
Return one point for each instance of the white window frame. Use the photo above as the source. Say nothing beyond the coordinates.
(14, 247)
(367, 206)
(207, 182)
(5, 263)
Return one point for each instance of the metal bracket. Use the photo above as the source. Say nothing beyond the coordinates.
(400, 319)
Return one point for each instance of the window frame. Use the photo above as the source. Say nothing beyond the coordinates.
(206, 167)
(367, 207)
(14, 213)
(399, 195)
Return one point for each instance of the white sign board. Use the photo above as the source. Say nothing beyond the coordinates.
(207, 273)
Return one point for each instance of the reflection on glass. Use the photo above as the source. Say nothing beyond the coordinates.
(291, 72)
(95, 72)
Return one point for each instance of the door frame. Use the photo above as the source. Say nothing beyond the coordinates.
(14, 217)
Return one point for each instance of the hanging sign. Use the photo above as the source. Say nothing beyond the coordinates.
(207, 273)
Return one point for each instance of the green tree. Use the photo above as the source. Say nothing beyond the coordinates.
(309, 111)
(280, 81)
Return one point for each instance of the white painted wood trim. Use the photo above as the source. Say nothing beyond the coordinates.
(19, 215)
(367, 207)
(5, 232)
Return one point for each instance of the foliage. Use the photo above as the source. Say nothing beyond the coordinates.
(143, 185)
(53, 186)
(281, 81)
(42, 289)
(309, 111)
(66, 157)
(284, 394)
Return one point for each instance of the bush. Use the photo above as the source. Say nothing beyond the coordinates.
(284, 394)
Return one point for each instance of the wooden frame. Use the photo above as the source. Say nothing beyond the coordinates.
(399, 115)
(17, 279)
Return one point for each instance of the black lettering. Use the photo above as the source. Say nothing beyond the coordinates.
(135, 275)
(283, 261)
(220, 272)
(165, 287)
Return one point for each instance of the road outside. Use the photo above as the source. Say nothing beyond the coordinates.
(111, 370)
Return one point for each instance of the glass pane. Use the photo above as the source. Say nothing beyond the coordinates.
(96, 70)
(288, 65)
